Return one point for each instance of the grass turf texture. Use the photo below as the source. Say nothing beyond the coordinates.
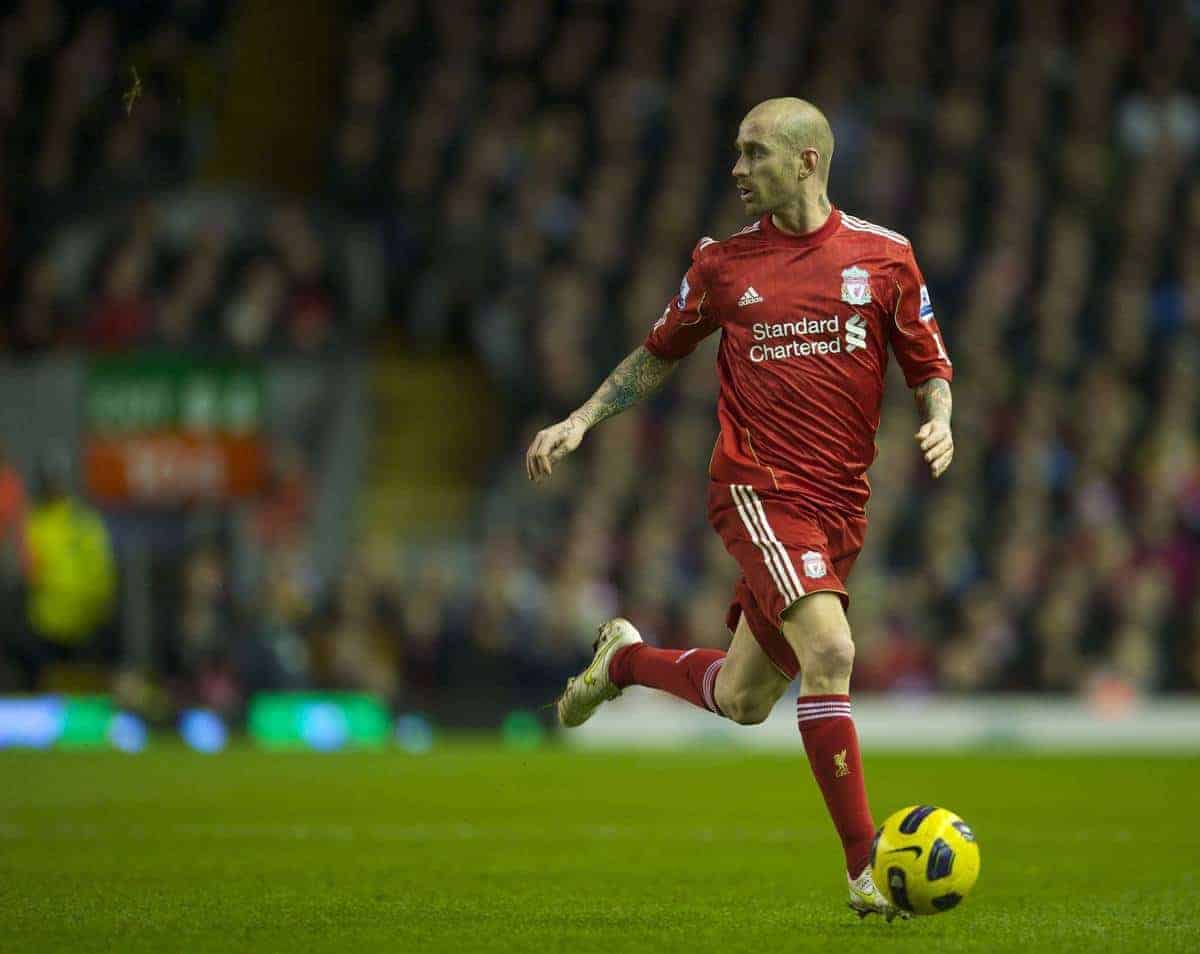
(477, 848)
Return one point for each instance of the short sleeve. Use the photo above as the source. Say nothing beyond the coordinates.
(686, 321)
(915, 336)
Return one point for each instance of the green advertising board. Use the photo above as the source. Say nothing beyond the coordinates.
(318, 720)
(161, 428)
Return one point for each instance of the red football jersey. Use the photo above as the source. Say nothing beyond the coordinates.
(806, 324)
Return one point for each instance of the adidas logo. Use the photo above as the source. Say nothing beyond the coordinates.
(749, 297)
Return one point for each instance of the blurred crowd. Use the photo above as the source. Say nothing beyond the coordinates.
(100, 112)
(106, 114)
(70, 73)
(537, 174)
(266, 292)
(542, 173)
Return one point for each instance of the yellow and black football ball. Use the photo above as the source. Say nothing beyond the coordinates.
(925, 859)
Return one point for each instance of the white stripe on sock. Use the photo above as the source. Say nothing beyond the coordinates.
(815, 711)
(823, 715)
(708, 685)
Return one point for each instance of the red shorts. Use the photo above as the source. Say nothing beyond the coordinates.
(786, 551)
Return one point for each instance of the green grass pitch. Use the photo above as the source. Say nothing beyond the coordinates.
(473, 847)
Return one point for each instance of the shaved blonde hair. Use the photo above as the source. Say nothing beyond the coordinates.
(799, 125)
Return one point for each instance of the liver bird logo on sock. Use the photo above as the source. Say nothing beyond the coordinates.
(840, 767)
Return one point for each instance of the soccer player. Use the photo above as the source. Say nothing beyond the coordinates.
(808, 300)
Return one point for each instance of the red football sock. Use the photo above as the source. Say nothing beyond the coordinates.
(832, 746)
(690, 674)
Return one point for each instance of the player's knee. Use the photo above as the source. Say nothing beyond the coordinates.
(751, 713)
(744, 708)
(830, 654)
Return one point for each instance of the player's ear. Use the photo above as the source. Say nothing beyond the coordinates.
(809, 161)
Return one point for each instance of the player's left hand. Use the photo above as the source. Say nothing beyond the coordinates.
(937, 444)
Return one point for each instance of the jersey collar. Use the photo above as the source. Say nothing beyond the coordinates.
(808, 239)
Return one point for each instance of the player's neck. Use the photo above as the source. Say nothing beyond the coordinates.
(804, 216)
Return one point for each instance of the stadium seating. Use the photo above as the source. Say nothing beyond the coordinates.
(549, 176)
(536, 176)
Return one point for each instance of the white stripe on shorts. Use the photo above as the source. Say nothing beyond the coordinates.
(783, 555)
(770, 555)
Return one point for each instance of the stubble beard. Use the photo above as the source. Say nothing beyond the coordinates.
(756, 206)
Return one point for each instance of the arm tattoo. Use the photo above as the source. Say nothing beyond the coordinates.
(640, 374)
(933, 399)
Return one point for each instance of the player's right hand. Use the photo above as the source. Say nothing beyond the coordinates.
(552, 445)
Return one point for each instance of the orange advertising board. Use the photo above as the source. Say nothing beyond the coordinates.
(168, 468)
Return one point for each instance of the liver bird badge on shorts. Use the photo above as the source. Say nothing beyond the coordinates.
(856, 286)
